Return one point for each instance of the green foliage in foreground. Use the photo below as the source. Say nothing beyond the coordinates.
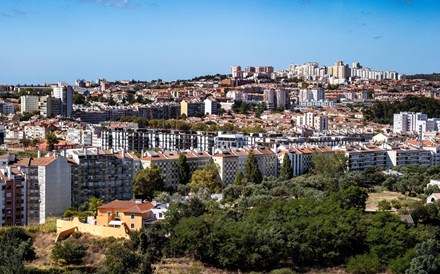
(15, 247)
(68, 253)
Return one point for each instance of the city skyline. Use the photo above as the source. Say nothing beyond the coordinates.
(144, 40)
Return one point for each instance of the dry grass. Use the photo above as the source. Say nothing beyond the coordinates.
(375, 198)
(190, 266)
(44, 243)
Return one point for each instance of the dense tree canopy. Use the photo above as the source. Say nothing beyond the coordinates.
(148, 181)
(208, 178)
(286, 171)
(251, 171)
(184, 170)
(382, 112)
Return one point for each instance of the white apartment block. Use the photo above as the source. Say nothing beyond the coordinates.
(64, 92)
(210, 106)
(29, 104)
(313, 120)
(35, 132)
(306, 95)
(411, 122)
(80, 136)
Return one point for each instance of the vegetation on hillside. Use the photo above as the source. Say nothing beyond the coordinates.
(430, 77)
(317, 220)
(382, 112)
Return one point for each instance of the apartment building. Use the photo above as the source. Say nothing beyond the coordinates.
(29, 103)
(232, 140)
(79, 136)
(65, 94)
(48, 186)
(35, 131)
(402, 155)
(105, 174)
(429, 145)
(211, 106)
(168, 163)
(405, 122)
(300, 156)
(130, 138)
(192, 107)
(362, 157)
(232, 161)
(12, 197)
(7, 108)
(313, 120)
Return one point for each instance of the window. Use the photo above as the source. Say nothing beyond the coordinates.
(132, 226)
(132, 216)
(160, 215)
(109, 213)
(116, 214)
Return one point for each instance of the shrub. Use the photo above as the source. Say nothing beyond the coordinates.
(68, 252)
(282, 271)
(363, 264)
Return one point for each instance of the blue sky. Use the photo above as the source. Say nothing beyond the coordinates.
(62, 40)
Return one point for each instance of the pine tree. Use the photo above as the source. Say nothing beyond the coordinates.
(184, 170)
(251, 171)
(286, 171)
(238, 178)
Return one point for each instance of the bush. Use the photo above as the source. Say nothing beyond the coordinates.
(282, 271)
(363, 264)
(68, 253)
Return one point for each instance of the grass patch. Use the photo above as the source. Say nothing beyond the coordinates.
(376, 197)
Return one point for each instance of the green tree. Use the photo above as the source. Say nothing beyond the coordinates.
(78, 99)
(130, 98)
(427, 259)
(147, 181)
(384, 205)
(208, 177)
(94, 203)
(25, 142)
(251, 171)
(183, 169)
(238, 179)
(68, 252)
(51, 140)
(15, 247)
(286, 171)
(351, 197)
(119, 258)
(329, 165)
(363, 264)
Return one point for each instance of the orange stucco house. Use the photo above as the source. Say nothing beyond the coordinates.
(134, 214)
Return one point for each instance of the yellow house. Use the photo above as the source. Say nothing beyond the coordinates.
(133, 213)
